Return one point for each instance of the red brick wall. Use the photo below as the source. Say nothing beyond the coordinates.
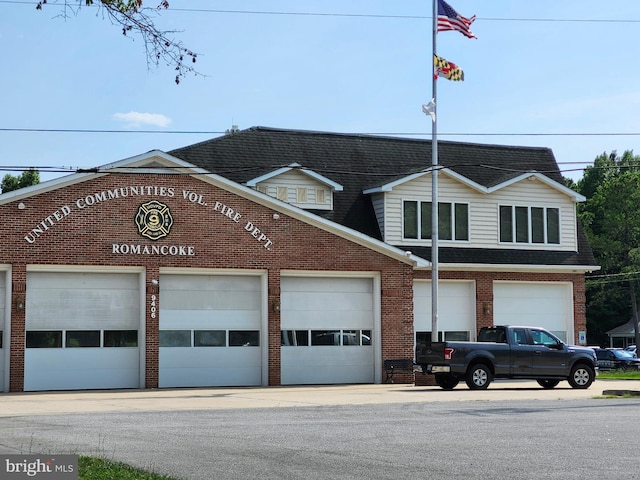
(85, 236)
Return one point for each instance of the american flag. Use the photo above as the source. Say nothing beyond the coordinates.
(449, 19)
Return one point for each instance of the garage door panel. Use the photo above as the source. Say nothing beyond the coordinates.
(4, 344)
(209, 283)
(203, 319)
(200, 367)
(210, 302)
(81, 368)
(327, 320)
(319, 365)
(72, 301)
(320, 284)
(344, 301)
(547, 305)
(456, 306)
(327, 304)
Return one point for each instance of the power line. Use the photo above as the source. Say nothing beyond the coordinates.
(359, 15)
(449, 134)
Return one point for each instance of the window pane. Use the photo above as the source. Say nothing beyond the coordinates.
(456, 336)
(52, 339)
(86, 338)
(506, 224)
(0, 338)
(425, 220)
(351, 337)
(244, 338)
(537, 225)
(175, 338)
(425, 337)
(522, 224)
(120, 338)
(366, 337)
(324, 337)
(462, 221)
(444, 221)
(553, 225)
(295, 338)
(210, 338)
(410, 219)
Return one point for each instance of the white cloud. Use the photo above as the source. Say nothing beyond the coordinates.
(137, 119)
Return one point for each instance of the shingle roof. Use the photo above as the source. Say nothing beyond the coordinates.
(359, 162)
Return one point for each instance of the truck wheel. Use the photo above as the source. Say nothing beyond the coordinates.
(581, 376)
(478, 377)
(446, 381)
(547, 384)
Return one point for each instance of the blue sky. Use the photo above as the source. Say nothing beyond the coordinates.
(541, 73)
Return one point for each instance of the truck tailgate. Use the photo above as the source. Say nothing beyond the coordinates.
(431, 353)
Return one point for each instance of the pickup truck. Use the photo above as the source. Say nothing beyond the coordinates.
(508, 352)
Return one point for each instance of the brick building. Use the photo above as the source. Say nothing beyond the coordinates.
(269, 257)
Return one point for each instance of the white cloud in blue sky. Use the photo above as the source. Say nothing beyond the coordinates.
(138, 119)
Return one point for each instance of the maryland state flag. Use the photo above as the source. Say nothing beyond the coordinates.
(446, 69)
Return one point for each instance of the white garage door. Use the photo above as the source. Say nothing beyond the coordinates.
(456, 310)
(545, 304)
(327, 330)
(82, 331)
(210, 330)
(4, 342)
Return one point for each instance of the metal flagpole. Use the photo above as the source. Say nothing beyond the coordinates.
(434, 188)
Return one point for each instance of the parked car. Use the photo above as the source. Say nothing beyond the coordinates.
(616, 359)
(632, 350)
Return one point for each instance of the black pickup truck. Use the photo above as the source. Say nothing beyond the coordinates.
(511, 352)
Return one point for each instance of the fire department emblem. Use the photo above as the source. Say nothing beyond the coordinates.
(154, 220)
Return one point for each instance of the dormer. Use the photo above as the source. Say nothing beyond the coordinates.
(298, 186)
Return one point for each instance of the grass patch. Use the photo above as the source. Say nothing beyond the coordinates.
(92, 468)
(619, 375)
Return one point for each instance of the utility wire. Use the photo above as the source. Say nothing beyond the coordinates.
(350, 15)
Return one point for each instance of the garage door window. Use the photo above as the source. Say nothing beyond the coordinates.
(83, 338)
(0, 338)
(210, 338)
(244, 338)
(175, 338)
(44, 339)
(300, 338)
(452, 336)
(120, 338)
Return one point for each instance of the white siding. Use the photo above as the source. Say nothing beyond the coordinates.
(294, 180)
(483, 211)
(378, 206)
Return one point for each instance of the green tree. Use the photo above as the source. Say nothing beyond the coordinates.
(611, 219)
(134, 18)
(26, 179)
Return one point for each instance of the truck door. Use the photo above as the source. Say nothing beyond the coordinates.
(548, 359)
(521, 352)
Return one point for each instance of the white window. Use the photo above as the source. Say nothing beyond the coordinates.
(263, 189)
(321, 196)
(301, 195)
(282, 194)
(529, 224)
(453, 220)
